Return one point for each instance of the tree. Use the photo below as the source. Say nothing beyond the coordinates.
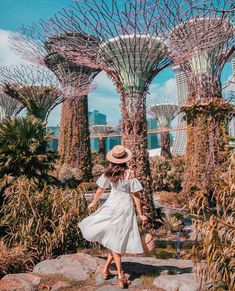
(22, 148)
(122, 41)
(201, 38)
(32, 43)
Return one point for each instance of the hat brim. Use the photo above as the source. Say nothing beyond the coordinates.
(121, 160)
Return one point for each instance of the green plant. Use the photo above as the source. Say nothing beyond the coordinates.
(23, 148)
(167, 175)
(169, 198)
(171, 224)
(13, 260)
(97, 171)
(97, 159)
(43, 221)
(70, 177)
(214, 222)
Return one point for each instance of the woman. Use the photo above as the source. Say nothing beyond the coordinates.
(114, 224)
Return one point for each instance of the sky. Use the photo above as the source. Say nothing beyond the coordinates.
(14, 13)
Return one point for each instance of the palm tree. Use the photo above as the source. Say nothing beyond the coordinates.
(22, 148)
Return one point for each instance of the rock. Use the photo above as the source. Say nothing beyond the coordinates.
(60, 285)
(136, 283)
(109, 288)
(165, 272)
(99, 280)
(181, 264)
(75, 267)
(182, 282)
(20, 282)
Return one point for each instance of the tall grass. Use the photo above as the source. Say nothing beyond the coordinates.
(43, 221)
(13, 259)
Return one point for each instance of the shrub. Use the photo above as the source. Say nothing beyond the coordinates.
(70, 176)
(169, 198)
(167, 174)
(171, 224)
(97, 171)
(23, 148)
(44, 221)
(14, 260)
(89, 186)
(214, 221)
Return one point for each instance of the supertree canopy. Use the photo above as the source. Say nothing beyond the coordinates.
(201, 37)
(9, 106)
(122, 41)
(74, 141)
(101, 131)
(34, 87)
(164, 113)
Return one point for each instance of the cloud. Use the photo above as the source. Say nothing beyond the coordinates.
(104, 83)
(7, 56)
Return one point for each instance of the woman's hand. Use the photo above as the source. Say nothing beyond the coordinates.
(91, 205)
(144, 218)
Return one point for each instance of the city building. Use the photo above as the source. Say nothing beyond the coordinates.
(97, 118)
(153, 138)
(53, 143)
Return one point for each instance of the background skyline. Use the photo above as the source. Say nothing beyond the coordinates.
(15, 13)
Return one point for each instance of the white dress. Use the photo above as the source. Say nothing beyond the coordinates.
(114, 224)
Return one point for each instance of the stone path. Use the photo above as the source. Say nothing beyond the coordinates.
(83, 272)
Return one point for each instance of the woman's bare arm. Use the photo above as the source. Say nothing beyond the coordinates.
(96, 197)
(137, 201)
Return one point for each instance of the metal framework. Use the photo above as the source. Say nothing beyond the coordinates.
(201, 38)
(122, 41)
(34, 87)
(9, 106)
(164, 113)
(32, 43)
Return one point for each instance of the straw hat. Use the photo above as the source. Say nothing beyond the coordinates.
(119, 155)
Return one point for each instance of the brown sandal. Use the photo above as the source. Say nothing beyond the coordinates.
(106, 275)
(123, 282)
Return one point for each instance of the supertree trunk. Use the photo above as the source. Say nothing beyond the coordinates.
(134, 125)
(207, 137)
(102, 147)
(74, 143)
(165, 145)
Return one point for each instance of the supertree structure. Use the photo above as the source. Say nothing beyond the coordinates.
(201, 37)
(74, 141)
(122, 41)
(9, 106)
(101, 131)
(164, 113)
(34, 87)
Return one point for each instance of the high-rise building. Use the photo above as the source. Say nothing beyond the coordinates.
(153, 138)
(179, 145)
(53, 143)
(112, 141)
(97, 118)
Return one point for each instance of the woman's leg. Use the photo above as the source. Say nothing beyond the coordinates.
(118, 263)
(108, 262)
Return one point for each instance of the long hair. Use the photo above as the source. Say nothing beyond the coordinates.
(114, 172)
